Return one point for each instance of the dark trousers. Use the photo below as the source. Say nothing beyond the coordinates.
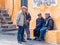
(36, 32)
(20, 35)
(26, 27)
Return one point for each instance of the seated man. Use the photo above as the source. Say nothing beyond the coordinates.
(39, 24)
(48, 25)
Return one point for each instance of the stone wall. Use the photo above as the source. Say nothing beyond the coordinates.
(2, 4)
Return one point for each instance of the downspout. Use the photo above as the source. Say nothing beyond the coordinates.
(12, 9)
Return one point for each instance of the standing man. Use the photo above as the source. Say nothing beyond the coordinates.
(27, 25)
(21, 21)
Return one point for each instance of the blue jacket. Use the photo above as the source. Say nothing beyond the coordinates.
(39, 22)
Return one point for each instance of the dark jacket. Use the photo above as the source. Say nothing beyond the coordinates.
(39, 22)
(49, 23)
(28, 17)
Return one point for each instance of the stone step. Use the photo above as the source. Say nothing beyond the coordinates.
(8, 26)
(0, 21)
(3, 11)
(1, 18)
(7, 18)
(6, 21)
(3, 22)
(5, 15)
(9, 22)
(9, 29)
(0, 11)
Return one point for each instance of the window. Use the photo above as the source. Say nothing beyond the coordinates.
(24, 3)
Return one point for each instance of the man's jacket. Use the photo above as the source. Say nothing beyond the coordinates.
(39, 22)
(20, 19)
(28, 17)
(49, 23)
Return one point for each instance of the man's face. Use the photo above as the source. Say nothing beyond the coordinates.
(39, 16)
(47, 15)
(24, 10)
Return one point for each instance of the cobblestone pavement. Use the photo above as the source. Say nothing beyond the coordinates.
(9, 38)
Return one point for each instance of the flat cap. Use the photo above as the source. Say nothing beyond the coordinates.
(24, 7)
(47, 14)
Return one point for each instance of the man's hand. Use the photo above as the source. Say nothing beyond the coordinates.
(46, 30)
(27, 21)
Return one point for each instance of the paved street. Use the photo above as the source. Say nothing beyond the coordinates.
(9, 38)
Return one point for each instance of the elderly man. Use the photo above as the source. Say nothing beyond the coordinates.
(27, 25)
(48, 25)
(21, 20)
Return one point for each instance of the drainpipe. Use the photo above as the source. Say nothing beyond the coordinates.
(12, 8)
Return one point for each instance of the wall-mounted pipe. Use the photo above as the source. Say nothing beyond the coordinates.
(12, 8)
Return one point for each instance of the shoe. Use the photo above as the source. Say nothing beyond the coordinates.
(20, 42)
(34, 38)
(43, 39)
(29, 39)
(38, 40)
(23, 41)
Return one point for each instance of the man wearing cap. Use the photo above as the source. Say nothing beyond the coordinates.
(48, 25)
(27, 24)
(21, 20)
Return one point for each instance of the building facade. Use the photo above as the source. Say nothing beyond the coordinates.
(34, 7)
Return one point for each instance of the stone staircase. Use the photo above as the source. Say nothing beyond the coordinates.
(6, 23)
